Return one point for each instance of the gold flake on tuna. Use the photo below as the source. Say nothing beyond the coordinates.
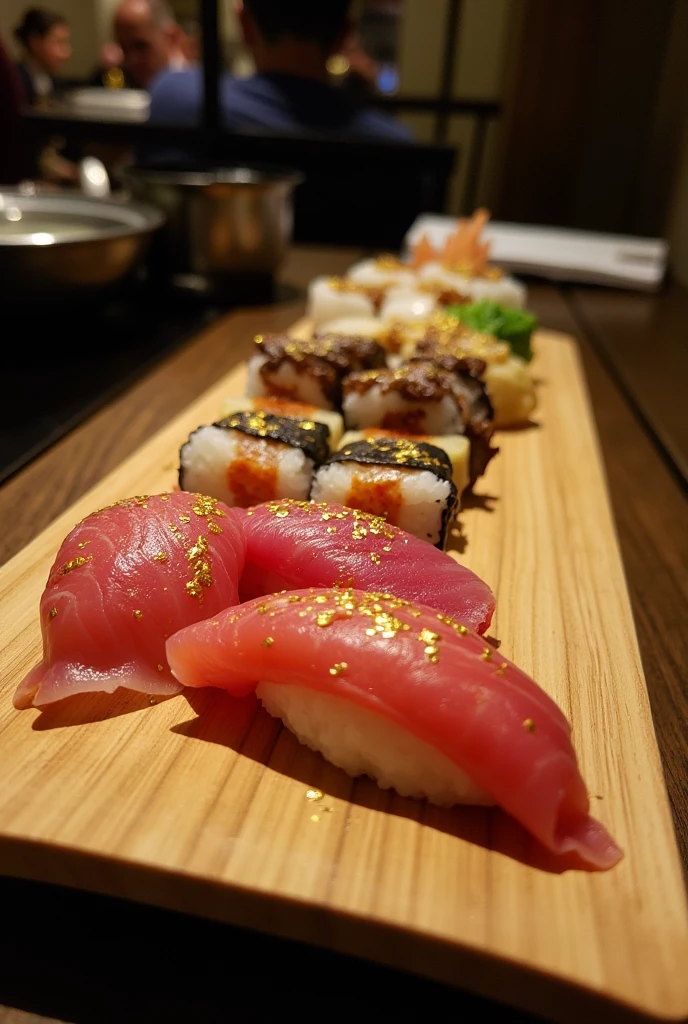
(75, 563)
(198, 556)
(206, 506)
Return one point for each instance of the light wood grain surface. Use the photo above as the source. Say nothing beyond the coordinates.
(200, 803)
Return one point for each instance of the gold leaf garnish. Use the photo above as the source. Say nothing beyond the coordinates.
(206, 506)
(75, 563)
(198, 557)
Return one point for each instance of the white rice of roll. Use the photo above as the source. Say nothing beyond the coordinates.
(284, 381)
(378, 273)
(208, 455)
(362, 742)
(511, 391)
(289, 409)
(374, 408)
(456, 446)
(506, 290)
(436, 274)
(407, 304)
(328, 303)
(424, 496)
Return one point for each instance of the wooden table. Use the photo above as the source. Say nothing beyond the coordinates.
(76, 957)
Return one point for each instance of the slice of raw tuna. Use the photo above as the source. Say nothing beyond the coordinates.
(294, 544)
(397, 691)
(126, 578)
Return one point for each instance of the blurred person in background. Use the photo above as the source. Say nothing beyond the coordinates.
(150, 38)
(14, 163)
(45, 41)
(192, 46)
(291, 43)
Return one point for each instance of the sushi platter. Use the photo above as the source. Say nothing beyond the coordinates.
(202, 802)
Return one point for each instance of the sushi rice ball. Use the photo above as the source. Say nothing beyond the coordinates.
(383, 272)
(407, 304)
(327, 301)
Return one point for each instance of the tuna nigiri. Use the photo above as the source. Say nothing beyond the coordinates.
(294, 544)
(126, 578)
(407, 696)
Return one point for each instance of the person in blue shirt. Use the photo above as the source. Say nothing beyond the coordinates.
(290, 91)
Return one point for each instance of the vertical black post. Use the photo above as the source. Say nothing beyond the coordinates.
(451, 45)
(475, 163)
(211, 73)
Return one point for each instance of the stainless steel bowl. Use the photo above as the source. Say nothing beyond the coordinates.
(57, 245)
(220, 223)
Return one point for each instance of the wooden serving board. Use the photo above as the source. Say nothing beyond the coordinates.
(202, 804)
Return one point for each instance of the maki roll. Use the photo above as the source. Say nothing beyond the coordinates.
(418, 398)
(456, 446)
(462, 264)
(291, 410)
(469, 386)
(477, 413)
(407, 304)
(332, 297)
(309, 371)
(384, 271)
(250, 457)
(406, 481)
(444, 334)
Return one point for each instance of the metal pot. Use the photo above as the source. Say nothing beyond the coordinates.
(220, 223)
(54, 245)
